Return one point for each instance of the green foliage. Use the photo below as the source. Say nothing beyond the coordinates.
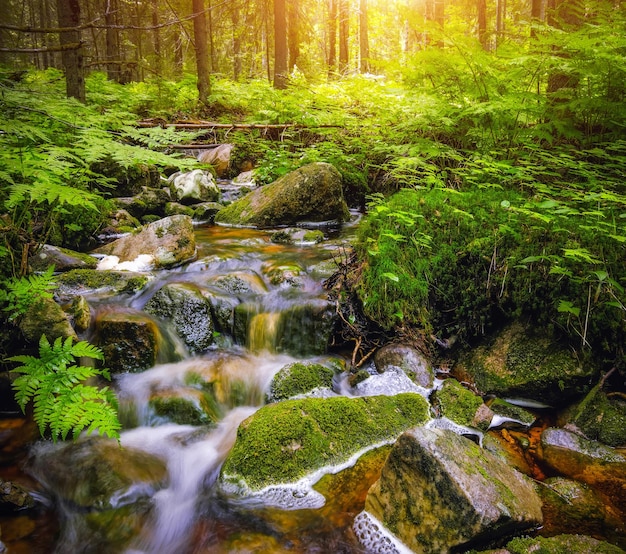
(61, 400)
(18, 295)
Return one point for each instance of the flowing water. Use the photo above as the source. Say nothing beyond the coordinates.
(165, 471)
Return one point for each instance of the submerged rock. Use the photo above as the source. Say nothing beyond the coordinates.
(14, 497)
(285, 442)
(170, 242)
(185, 406)
(310, 193)
(591, 462)
(439, 491)
(300, 378)
(520, 362)
(189, 311)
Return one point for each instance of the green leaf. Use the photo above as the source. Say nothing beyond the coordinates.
(565, 306)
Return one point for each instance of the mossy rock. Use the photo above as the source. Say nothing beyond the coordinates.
(561, 544)
(601, 416)
(185, 407)
(45, 317)
(510, 411)
(63, 259)
(87, 281)
(528, 363)
(311, 193)
(174, 208)
(458, 403)
(299, 378)
(296, 235)
(284, 442)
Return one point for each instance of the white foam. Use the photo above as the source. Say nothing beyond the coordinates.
(391, 382)
(449, 425)
(375, 538)
(143, 262)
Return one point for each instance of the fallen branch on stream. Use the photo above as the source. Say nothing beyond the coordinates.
(232, 126)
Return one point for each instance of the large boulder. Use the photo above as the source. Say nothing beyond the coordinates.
(90, 281)
(521, 362)
(169, 242)
(189, 311)
(194, 187)
(601, 467)
(285, 442)
(311, 193)
(439, 491)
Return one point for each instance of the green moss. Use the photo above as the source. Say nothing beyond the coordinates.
(283, 442)
(194, 410)
(92, 279)
(602, 418)
(457, 403)
(299, 378)
(561, 544)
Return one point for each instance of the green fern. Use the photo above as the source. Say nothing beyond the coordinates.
(61, 400)
(20, 294)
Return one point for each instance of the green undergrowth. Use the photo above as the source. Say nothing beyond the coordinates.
(457, 262)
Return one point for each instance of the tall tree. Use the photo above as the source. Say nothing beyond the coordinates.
(293, 33)
(332, 36)
(364, 44)
(200, 36)
(482, 23)
(344, 35)
(68, 13)
(280, 45)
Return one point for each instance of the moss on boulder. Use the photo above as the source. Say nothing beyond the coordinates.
(86, 281)
(63, 259)
(284, 442)
(311, 193)
(561, 544)
(520, 362)
(299, 378)
(457, 403)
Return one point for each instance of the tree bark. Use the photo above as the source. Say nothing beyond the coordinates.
(293, 33)
(364, 45)
(482, 23)
(344, 35)
(156, 37)
(235, 20)
(280, 45)
(332, 36)
(68, 12)
(202, 50)
(112, 41)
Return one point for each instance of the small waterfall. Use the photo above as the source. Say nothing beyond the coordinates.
(263, 332)
(191, 466)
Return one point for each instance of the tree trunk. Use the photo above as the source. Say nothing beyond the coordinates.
(344, 35)
(202, 50)
(68, 12)
(234, 17)
(439, 15)
(156, 37)
(364, 45)
(332, 36)
(112, 41)
(293, 33)
(280, 45)
(213, 51)
(482, 23)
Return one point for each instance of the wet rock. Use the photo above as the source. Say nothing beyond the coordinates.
(590, 462)
(62, 259)
(461, 405)
(14, 497)
(573, 507)
(188, 310)
(185, 406)
(310, 193)
(120, 222)
(300, 378)
(510, 416)
(175, 208)
(286, 441)
(287, 273)
(46, 317)
(206, 211)
(170, 242)
(557, 545)
(218, 157)
(524, 363)
(295, 235)
(222, 311)
(600, 416)
(81, 313)
(129, 340)
(194, 187)
(89, 281)
(407, 358)
(439, 491)
(150, 201)
(241, 284)
(127, 180)
(98, 474)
